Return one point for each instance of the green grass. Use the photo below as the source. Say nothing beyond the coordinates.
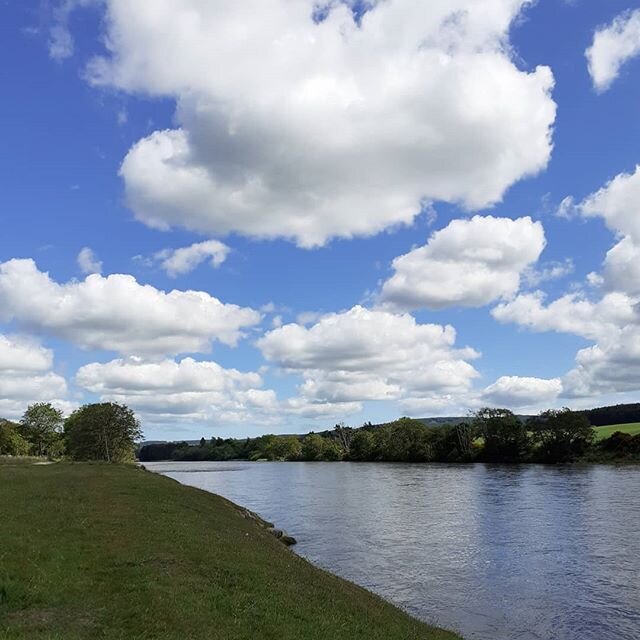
(114, 552)
(604, 432)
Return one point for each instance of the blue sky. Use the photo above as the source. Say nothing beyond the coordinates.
(308, 149)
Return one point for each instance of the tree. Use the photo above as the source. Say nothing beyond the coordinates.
(313, 447)
(41, 426)
(362, 446)
(505, 436)
(409, 441)
(453, 443)
(343, 435)
(106, 431)
(561, 436)
(333, 451)
(11, 442)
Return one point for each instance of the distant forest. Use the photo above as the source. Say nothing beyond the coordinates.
(489, 435)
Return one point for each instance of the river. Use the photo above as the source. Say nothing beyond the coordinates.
(493, 552)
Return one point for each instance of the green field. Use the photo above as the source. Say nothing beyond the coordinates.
(604, 432)
(114, 552)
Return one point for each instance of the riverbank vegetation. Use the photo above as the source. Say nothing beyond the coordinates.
(489, 435)
(113, 552)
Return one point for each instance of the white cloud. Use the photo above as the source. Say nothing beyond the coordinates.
(20, 354)
(567, 209)
(315, 129)
(612, 364)
(548, 271)
(468, 263)
(191, 391)
(61, 43)
(618, 202)
(187, 389)
(360, 355)
(622, 267)
(88, 262)
(612, 46)
(517, 392)
(177, 262)
(26, 376)
(116, 313)
(571, 313)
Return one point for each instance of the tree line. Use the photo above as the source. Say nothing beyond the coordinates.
(105, 431)
(489, 435)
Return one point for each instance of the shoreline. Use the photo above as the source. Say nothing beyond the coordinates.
(121, 553)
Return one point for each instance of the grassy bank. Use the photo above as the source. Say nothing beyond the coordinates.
(604, 432)
(97, 551)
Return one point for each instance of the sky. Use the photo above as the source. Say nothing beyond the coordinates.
(276, 215)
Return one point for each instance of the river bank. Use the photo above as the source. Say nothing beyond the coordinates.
(115, 552)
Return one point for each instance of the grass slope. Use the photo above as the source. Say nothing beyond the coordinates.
(113, 552)
(604, 432)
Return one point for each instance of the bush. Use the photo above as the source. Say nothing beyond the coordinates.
(622, 444)
(561, 436)
(11, 442)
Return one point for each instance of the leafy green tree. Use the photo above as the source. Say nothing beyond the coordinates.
(106, 431)
(410, 441)
(313, 447)
(333, 451)
(41, 426)
(561, 436)
(453, 443)
(11, 442)
(505, 436)
(362, 446)
(272, 447)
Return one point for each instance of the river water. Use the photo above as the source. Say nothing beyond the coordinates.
(493, 552)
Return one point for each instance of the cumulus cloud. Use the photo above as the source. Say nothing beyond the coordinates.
(177, 262)
(613, 45)
(116, 313)
(88, 262)
(516, 392)
(612, 364)
(186, 389)
(622, 267)
(26, 376)
(618, 203)
(468, 263)
(318, 125)
(362, 354)
(572, 313)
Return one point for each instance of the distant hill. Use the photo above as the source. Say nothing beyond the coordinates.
(615, 414)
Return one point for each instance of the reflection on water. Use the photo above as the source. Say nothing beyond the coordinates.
(494, 552)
